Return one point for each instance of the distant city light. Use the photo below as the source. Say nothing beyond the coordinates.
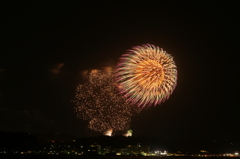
(164, 153)
(160, 152)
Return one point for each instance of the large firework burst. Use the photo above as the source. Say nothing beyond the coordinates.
(99, 102)
(147, 75)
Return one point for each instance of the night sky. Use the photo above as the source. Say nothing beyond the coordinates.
(46, 46)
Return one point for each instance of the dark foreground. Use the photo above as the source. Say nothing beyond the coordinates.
(100, 157)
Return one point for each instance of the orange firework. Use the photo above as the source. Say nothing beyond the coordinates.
(146, 75)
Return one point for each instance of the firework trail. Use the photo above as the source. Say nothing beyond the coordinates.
(99, 102)
(146, 75)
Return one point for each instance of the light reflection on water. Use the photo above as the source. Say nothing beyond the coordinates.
(110, 157)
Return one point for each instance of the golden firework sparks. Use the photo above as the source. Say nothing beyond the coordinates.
(146, 75)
